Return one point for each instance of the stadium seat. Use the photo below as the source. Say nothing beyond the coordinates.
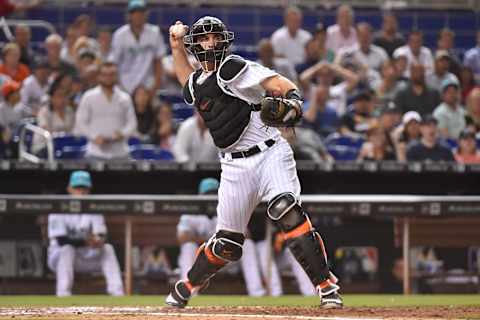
(343, 153)
(67, 146)
(150, 152)
(336, 139)
(134, 141)
(181, 111)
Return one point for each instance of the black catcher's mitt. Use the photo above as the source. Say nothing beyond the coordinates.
(281, 111)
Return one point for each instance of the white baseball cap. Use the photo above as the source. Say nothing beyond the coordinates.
(411, 115)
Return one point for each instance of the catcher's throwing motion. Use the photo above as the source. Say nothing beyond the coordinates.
(229, 93)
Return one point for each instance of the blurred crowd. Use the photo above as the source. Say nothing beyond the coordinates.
(369, 94)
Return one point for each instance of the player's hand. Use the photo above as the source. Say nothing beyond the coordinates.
(100, 140)
(177, 32)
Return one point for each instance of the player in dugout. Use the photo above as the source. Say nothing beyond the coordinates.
(78, 244)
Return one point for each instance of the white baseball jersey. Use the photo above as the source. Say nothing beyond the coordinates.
(135, 58)
(75, 226)
(247, 181)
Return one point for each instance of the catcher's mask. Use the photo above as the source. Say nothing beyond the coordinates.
(203, 26)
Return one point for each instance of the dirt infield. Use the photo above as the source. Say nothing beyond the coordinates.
(236, 313)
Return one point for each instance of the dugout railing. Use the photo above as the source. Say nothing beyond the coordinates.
(393, 206)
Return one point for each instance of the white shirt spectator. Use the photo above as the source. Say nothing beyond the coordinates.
(434, 81)
(336, 41)
(135, 58)
(51, 121)
(194, 145)
(338, 97)
(99, 116)
(373, 59)
(425, 58)
(33, 93)
(291, 48)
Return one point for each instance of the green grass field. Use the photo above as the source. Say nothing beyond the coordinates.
(289, 300)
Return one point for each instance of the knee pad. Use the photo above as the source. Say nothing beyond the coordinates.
(285, 210)
(226, 245)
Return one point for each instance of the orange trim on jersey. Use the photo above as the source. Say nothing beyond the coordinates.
(212, 258)
(298, 231)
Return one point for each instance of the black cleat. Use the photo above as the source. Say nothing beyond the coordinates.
(180, 294)
(332, 301)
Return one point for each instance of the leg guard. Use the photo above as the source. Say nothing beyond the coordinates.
(304, 242)
(222, 248)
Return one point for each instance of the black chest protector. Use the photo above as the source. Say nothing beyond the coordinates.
(225, 116)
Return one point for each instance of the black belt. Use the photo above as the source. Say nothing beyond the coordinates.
(250, 152)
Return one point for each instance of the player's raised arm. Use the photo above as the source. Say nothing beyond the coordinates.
(183, 69)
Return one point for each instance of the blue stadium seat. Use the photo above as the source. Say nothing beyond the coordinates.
(134, 141)
(67, 146)
(336, 139)
(450, 143)
(343, 153)
(181, 111)
(150, 152)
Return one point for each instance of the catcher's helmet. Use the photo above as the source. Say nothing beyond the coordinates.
(207, 25)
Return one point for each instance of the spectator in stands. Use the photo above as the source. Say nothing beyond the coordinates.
(416, 53)
(8, 6)
(68, 49)
(11, 65)
(289, 41)
(53, 45)
(78, 244)
(450, 114)
(193, 143)
(405, 134)
(400, 61)
(364, 52)
(319, 115)
(11, 112)
(359, 117)
(104, 39)
(467, 148)
(388, 88)
(106, 117)
(389, 38)
(428, 147)
(162, 132)
(473, 110)
(22, 39)
(85, 25)
(342, 35)
(441, 73)
(267, 59)
(316, 50)
(467, 82)
(388, 119)
(324, 74)
(34, 88)
(416, 96)
(142, 102)
(376, 148)
(471, 59)
(84, 58)
(57, 115)
(138, 48)
(446, 41)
